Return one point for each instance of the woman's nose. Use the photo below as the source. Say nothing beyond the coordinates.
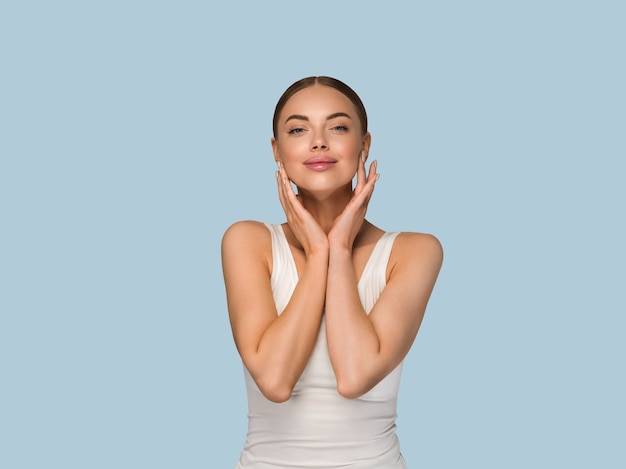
(319, 143)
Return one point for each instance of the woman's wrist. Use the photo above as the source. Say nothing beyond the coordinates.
(338, 250)
(320, 252)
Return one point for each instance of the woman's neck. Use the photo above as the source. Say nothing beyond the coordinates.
(326, 209)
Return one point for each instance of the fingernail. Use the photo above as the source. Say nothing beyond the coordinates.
(278, 165)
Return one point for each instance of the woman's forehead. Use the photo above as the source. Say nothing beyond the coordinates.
(318, 98)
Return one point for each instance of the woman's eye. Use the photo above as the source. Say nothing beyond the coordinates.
(340, 128)
(296, 131)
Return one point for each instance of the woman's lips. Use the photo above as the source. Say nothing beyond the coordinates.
(319, 164)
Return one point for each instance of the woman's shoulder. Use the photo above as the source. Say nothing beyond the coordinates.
(244, 227)
(407, 241)
(409, 246)
(246, 235)
(413, 238)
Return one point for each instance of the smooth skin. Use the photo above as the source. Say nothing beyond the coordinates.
(331, 241)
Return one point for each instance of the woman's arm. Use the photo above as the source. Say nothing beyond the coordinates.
(365, 348)
(274, 348)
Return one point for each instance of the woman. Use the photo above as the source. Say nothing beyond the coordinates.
(324, 307)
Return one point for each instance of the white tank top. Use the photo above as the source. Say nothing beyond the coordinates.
(317, 427)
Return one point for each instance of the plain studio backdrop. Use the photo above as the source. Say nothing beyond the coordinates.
(132, 134)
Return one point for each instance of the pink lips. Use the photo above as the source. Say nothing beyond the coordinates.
(319, 163)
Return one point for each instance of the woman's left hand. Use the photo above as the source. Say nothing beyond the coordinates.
(348, 224)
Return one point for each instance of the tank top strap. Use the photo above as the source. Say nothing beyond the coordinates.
(374, 276)
(377, 263)
(284, 272)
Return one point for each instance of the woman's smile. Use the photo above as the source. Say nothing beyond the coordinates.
(320, 163)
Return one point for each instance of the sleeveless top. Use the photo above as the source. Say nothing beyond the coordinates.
(317, 427)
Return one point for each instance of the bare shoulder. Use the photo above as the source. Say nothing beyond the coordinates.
(246, 238)
(245, 231)
(417, 249)
(419, 241)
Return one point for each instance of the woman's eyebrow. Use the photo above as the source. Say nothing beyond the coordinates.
(305, 118)
(296, 116)
(338, 114)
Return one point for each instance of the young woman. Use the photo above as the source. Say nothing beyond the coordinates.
(324, 307)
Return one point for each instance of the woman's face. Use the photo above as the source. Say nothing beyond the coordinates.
(319, 139)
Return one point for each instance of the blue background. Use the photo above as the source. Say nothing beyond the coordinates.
(132, 134)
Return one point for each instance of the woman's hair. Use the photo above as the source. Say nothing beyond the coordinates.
(324, 81)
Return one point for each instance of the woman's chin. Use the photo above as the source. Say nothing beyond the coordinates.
(324, 191)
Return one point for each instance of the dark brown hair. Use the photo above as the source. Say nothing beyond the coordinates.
(324, 81)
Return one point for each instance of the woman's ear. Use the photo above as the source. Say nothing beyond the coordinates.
(275, 149)
(365, 146)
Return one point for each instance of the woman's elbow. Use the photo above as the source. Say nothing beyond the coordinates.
(352, 389)
(276, 392)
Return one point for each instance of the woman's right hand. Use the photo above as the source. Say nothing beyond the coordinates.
(304, 227)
